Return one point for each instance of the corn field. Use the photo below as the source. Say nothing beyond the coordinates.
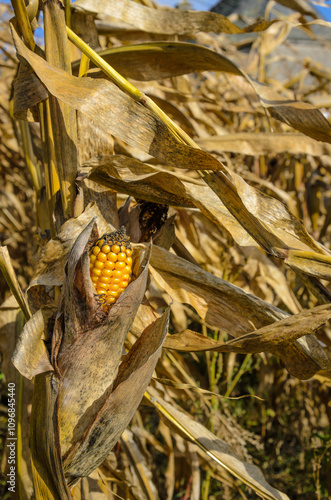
(165, 223)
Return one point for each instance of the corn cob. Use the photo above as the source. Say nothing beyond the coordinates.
(111, 267)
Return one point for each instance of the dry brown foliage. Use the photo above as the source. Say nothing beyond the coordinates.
(210, 376)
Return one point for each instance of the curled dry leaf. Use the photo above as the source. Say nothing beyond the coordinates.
(31, 356)
(277, 338)
(118, 113)
(256, 216)
(310, 263)
(218, 302)
(178, 58)
(264, 143)
(166, 22)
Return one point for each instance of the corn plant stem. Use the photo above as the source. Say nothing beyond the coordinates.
(29, 155)
(84, 66)
(23, 22)
(206, 486)
(239, 374)
(19, 327)
(68, 13)
(7, 269)
(51, 176)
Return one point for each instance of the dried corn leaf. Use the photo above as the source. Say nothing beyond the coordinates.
(216, 449)
(50, 268)
(118, 408)
(48, 476)
(163, 59)
(276, 338)
(166, 22)
(89, 354)
(28, 92)
(310, 263)
(31, 356)
(218, 302)
(259, 215)
(264, 143)
(109, 107)
(215, 300)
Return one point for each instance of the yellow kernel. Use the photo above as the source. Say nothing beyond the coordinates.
(121, 290)
(124, 284)
(97, 272)
(100, 242)
(110, 299)
(113, 287)
(109, 265)
(105, 249)
(93, 258)
(94, 278)
(129, 261)
(126, 277)
(91, 265)
(96, 250)
(112, 257)
(106, 272)
(101, 291)
(112, 293)
(123, 249)
(127, 270)
(117, 273)
(116, 248)
(104, 279)
(121, 257)
(120, 265)
(102, 257)
(102, 286)
(115, 280)
(128, 252)
(98, 264)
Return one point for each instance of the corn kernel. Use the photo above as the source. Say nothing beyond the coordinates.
(105, 249)
(98, 264)
(120, 265)
(104, 279)
(97, 272)
(102, 257)
(116, 248)
(106, 272)
(113, 287)
(96, 250)
(109, 265)
(121, 257)
(112, 257)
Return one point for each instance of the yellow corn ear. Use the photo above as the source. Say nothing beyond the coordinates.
(111, 266)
